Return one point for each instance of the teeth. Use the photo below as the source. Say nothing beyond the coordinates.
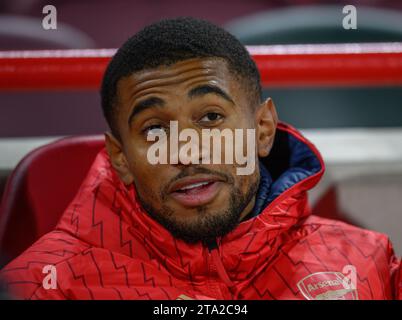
(195, 185)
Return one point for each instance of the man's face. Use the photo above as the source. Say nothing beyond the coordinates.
(195, 202)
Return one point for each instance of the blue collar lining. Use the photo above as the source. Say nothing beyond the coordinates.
(302, 164)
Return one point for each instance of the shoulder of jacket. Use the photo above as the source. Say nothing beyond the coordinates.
(342, 231)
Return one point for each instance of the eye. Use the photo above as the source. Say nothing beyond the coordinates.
(155, 129)
(211, 117)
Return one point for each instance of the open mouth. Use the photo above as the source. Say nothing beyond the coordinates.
(192, 192)
(195, 187)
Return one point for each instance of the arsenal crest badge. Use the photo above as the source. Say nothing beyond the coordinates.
(328, 286)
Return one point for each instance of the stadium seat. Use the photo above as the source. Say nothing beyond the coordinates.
(26, 33)
(326, 107)
(40, 188)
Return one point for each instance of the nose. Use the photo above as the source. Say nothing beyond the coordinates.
(189, 149)
(186, 146)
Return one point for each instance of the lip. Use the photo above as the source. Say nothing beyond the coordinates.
(199, 195)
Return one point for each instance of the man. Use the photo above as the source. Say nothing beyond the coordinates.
(189, 229)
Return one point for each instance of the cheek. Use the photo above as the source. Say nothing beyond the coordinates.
(147, 187)
(245, 182)
(239, 182)
(144, 173)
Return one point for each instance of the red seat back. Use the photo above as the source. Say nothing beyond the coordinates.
(40, 188)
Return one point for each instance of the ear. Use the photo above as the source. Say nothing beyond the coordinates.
(266, 120)
(118, 159)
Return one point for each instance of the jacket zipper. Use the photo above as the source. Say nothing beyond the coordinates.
(219, 267)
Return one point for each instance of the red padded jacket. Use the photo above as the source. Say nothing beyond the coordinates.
(106, 247)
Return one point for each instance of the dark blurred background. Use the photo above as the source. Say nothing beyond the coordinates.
(107, 24)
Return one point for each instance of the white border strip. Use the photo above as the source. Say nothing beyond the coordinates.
(341, 48)
(297, 49)
(69, 53)
(343, 146)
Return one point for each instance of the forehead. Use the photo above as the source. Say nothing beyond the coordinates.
(181, 75)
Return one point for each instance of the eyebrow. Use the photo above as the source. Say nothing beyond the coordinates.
(155, 102)
(151, 102)
(208, 89)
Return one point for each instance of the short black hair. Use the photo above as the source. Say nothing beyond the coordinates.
(170, 41)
